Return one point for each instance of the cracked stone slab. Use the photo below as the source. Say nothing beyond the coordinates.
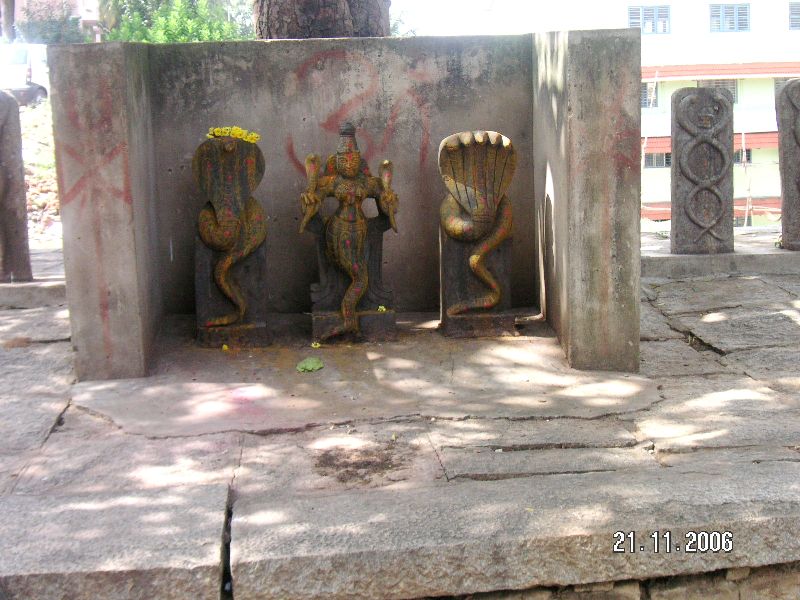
(718, 459)
(478, 536)
(531, 434)
(714, 294)
(780, 366)
(26, 421)
(655, 326)
(713, 412)
(43, 324)
(201, 391)
(741, 328)
(89, 456)
(790, 283)
(110, 546)
(337, 458)
(677, 358)
(37, 369)
(487, 465)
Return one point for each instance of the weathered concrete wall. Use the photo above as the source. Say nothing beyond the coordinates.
(787, 105)
(101, 119)
(586, 125)
(403, 95)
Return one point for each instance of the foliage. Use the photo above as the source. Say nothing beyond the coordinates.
(50, 23)
(175, 21)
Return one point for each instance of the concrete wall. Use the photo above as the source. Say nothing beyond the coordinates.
(587, 183)
(101, 119)
(403, 95)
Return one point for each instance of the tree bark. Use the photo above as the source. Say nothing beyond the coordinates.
(282, 19)
(15, 261)
(8, 20)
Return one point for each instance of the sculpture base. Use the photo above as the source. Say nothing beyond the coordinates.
(375, 326)
(471, 325)
(248, 335)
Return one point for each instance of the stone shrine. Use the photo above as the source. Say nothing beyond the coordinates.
(702, 171)
(476, 218)
(229, 255)
(350, 296)
(787, 106)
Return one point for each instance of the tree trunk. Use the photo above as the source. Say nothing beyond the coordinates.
(15, 261)
(8, 20)
(282, 19)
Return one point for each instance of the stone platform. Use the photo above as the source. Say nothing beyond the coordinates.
(416, 468)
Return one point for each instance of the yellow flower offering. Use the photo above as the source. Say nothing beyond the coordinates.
(381, 308)
(233, 131)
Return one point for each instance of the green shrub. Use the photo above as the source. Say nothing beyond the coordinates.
(49, 23)
(176, 21)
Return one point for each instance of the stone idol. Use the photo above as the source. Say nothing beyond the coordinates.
(230, 264)
(475, 239)
(702, 171)
(350, 297)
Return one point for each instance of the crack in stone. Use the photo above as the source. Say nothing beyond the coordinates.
(503, 476)
(543, 446)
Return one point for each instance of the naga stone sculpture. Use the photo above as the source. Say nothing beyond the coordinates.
(475, 267)
(788, 109)
(229, 255)
(350, 297)
(702, 171)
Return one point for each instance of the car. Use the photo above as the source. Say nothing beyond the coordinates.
(24, 72)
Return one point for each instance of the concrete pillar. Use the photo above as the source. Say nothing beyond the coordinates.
(787, 106)
(702, 171)
(15, 261)
(586, 131)
(103, 139)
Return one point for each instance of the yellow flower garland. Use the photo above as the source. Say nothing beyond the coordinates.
(235, 132)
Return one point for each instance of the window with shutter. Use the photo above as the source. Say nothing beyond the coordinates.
(794, 15)
(650, 19)
(730, 17)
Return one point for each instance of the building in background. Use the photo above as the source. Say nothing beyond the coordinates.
(743, 47)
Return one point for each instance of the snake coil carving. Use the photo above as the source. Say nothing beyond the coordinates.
(477, 168)
(227, 170)
(712, 116)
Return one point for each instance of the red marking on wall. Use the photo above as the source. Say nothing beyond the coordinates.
(627, 153)
(289, 145)
(347, 108)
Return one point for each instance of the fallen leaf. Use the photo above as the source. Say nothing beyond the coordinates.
(309, 365)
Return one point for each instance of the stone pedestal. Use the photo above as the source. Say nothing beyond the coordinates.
(326, 296)
(787, 106)
(251, 274)
(702, 171)
(459, 284)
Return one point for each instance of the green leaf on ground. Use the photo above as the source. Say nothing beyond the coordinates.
(309, 365)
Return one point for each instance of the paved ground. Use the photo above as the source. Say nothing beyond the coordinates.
(416, 468)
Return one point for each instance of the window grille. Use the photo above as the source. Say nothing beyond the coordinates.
(648, 95)
(723, 84)
(794, 15)
(748, 156)
(730, 17)
(650, 19)
(657, 160)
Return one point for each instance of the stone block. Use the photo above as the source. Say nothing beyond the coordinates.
(694, 588)
(702, 171)
(374, 326)
(787, 105)
(251, 275)
(15, 261)
(779, 582)
(587, 178)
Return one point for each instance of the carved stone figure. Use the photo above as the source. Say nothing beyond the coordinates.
(477, 168)
(227, 168)
(350, 297)
(788, 109)
(702, 171)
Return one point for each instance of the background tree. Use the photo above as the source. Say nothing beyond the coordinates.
(281, 19)
(7, 7)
